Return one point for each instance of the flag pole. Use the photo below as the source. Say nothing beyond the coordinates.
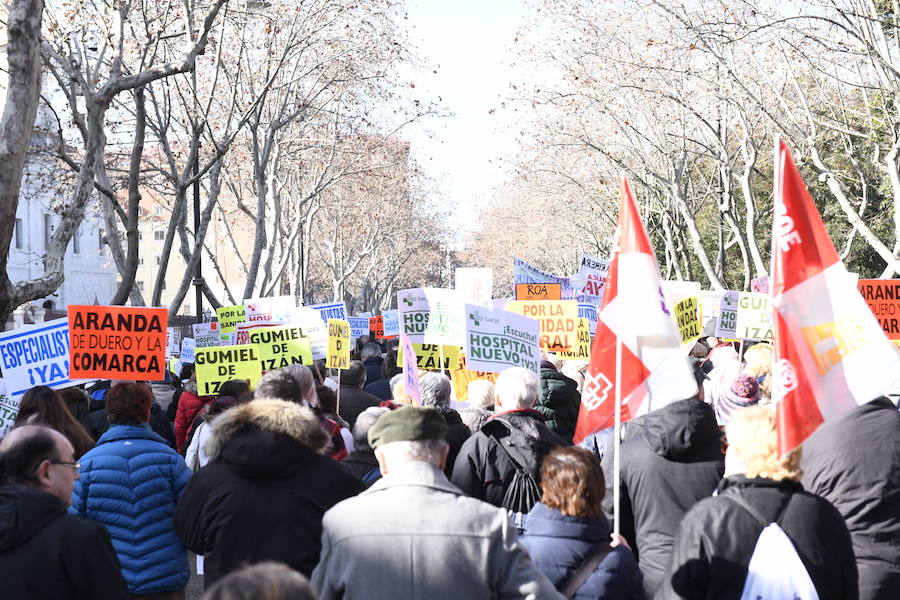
(617, 435)
(337, 408)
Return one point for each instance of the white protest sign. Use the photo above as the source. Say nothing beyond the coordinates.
(188, 345)
(391, 322)
(676, 291)
(710, 307)
(314, 328)
(754, 317)
(760, 284)
(211, 328)
(276, 309)
(173, 341)
(475, 284)
(497, 340)
(590, 282)
(728, 307)
(334, 310)
(588, 312)
(9, 410)
(432, 316)
(36, 355)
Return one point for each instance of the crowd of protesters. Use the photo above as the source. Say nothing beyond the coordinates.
(312, 486)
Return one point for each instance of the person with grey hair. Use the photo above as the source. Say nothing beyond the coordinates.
(436, 537)
(362, 462)
(435, 390)
(371, 357)
(278, 384)
(514, 439)
(480, 395)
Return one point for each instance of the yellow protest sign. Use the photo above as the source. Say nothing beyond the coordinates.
(281, 346)
(582, 350)
(428, 356)
(687, 315)
(558, 319)
(462, 377)
(338, 356)
(754, 317)
(215, 365)
(229, 317)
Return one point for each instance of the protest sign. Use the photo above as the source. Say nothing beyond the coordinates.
(582, 350)
(9, 410)
(338, 344)
(214, 366)
(432, 316)
(173, 341)
(475, 284)
(687, 316)
(589, 312)
(538, 291)
(227, 339)
(281, 346)
(728, 307)
(558, 320)
(376, 327)
(590, 282)
(760, 284)
(359, 326)
(391, 322)
(314, 328)
(498, 339)
(710, 307)
(676, 291)
(229, 317)
(883, 298)
(207, 340)
(525, 273)
(211, 328)
(117, 342)
(333, 310)
(754, 317)
(462, 377)
(188, 347)
(428, 356)
(410, 371)
(277, 309)
(36, 355)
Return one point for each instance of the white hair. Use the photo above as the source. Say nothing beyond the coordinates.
(430, 451)
(516, 387)
(435, 390)
(481, 393)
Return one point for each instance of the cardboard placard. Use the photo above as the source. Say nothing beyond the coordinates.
(883, 298)
(432, 316)
(338, 344)
(525, 273)
(687, 316)
(558, 320)
(9, 410)
(582, 351)
(590, 283)
(229, 317)
(281, 346)
(538, 291)
(218, 364)
(188, 347)
(428, 356)
(754, 317)
(410, 371)
(376, 327)
(36, 355)
(462, 377)
(728, 308)
(332, 310)
(391, 323)
(117, 342)
(497, 340)
(359, 326)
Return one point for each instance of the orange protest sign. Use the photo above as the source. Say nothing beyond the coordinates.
(117, 342)
(376, 327)
(462, 377)
(883, 298)
(538, 291)
(558, 319)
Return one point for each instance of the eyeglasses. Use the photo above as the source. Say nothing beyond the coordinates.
(74, 465)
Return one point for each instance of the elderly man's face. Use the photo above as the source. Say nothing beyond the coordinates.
(58, 477)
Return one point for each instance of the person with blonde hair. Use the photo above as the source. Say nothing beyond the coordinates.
(718, 537)
(758, 364)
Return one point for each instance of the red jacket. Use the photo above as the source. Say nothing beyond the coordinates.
(189, 406)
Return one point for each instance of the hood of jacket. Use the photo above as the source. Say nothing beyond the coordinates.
(266, 438)
(680, 427)
(550, 522)
(23, 513)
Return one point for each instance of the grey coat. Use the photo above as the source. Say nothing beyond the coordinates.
(414, 535)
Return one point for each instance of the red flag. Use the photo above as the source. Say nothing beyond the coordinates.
(634, 314)
(830, 352)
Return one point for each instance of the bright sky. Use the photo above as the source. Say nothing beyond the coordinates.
(468, 42)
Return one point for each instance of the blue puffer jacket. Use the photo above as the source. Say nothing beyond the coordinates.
(558, 545)
(130, 483)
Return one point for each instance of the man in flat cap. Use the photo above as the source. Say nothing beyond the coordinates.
(414, 535)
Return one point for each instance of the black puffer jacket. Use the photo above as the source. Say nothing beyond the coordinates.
(676, 462)
(717, 538)
(558, 402)
(47, 553)
(264, 492)
(457, 434)
(853, 461)
(482, 470)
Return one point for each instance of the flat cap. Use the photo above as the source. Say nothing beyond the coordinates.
(408, 424)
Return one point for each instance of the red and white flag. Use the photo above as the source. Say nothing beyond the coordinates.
(655, 371)
(830, 352)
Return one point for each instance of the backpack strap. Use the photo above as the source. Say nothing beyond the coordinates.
(588, 565)
(740, 501)
(516, 463)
